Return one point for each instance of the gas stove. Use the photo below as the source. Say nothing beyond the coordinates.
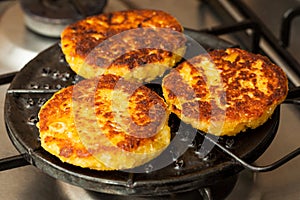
(257, 30)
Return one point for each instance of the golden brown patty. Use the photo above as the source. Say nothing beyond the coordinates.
(225, 92)
(137, 44)
(104, 123)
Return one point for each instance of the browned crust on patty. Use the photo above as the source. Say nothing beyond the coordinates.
(101, 131)
(148, 37)
(92, 30)
(251, 88)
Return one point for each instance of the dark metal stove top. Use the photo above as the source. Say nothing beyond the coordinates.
(18, 46)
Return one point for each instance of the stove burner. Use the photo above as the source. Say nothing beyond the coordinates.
(49, 17)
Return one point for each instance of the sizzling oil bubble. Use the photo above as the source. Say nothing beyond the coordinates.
(229, 143)
(58, 86)
(62, 59)
(179, 164)
(56, 74)
(149, 168)
(76, 79)
(193, 144)
(209, 157)
(32, 120)
(46, 86)
(66, 76)
(41, 101)
(30, 102)
(46, 71)
(201, 152)
(33, 86)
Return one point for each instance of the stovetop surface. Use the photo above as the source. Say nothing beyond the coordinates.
(19, 45)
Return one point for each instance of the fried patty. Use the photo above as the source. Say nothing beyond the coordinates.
(136, 44)
(105, 123)
(225, 92)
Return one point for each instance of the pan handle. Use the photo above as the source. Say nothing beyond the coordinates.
(7, 78)
(13, 162)
(252, 167)
(293, 96)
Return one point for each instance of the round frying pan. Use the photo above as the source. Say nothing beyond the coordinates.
(48, 72)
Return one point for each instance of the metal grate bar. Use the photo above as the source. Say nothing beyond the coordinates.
(285, 29)
(239, 26)
(13, 162)
(268, 36)
(31, 91)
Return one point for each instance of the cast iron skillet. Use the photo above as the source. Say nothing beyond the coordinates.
(46, 73)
